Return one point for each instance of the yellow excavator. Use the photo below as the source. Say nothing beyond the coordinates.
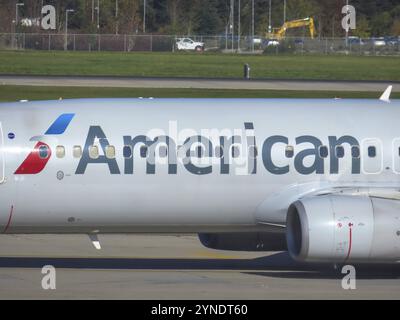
(281, 32)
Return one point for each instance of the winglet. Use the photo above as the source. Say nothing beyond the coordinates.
(386, 95)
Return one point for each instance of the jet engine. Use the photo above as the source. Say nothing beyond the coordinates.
(344, 228)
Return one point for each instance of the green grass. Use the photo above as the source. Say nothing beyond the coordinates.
(16, 93)
(199, 65)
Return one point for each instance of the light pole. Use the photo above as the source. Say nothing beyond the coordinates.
(347, 29)
(98, 15)
(66, 28)
(16, 21)
(269, 19)
(252, 25)
(144, 16)
(239, 26)
(232, 22)
(284, 11)
(116, 16)
(92, 11)
(16, 13)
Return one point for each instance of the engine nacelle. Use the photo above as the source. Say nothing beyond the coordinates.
(240, 241)
(344, 228)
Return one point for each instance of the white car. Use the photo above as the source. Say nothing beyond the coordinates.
(189, 44)
(379, 42)
(272, 43)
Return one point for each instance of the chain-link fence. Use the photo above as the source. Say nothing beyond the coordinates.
(226, 44)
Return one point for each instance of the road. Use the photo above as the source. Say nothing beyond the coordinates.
(126, 82)
(172, 267)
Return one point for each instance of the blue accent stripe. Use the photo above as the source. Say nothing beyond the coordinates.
(60, 125)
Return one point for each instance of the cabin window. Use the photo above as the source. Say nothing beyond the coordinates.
(77, 151)
(127, 152)
(289, 151)
(253, 152)
(219, 152)
(199, 151)
(60, 151)
(163, 151)
(94, 152)
(43, 152)
(143, 151)
(371, 152)
(110, 152)
(235, 152)
(339, 151)
(323, 151)
(355, 151)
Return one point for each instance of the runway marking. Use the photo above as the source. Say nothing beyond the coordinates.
(9, 219)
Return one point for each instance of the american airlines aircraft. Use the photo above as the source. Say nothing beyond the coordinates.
(316, 176)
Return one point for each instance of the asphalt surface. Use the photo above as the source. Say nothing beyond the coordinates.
(195, 83)
(172, 267)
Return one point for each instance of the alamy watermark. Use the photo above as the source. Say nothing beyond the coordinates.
(349, 20)
(49, 278)
(47, 21)
(349, 280)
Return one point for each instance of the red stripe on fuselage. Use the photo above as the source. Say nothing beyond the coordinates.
(34, 163)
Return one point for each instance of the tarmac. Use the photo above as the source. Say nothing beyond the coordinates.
(197, 83)
(154, 266)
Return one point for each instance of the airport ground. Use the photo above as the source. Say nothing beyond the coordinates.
(172, 267)
(10, 93)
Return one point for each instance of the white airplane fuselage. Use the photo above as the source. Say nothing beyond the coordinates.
(200, 190)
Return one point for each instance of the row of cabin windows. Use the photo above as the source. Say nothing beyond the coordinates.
(323, 152)
(199, 152)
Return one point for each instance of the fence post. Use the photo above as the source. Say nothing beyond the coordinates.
(326, 46)
(125, 42)
(99, 42)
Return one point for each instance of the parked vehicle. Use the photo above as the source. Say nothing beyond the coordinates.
(353, 40)
(189, 44)
(271, 43)
(379, 42)
(392, 41)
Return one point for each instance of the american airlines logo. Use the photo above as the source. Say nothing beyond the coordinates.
(41, 153)
(224, 151)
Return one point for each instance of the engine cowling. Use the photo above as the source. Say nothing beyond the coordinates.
(240, 241)
(344, 228)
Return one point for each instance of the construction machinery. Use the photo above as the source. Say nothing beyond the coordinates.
(281, 32)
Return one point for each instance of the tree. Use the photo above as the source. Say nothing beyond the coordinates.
(395, 30)
(377, 18)
(363, 29)
(206, 18)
